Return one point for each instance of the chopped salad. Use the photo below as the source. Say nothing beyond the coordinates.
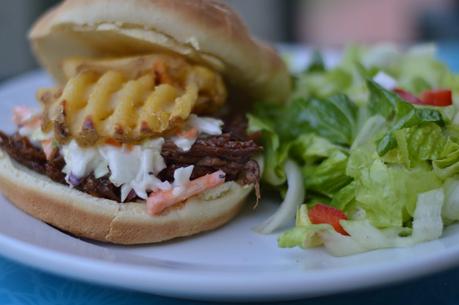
(365, 153)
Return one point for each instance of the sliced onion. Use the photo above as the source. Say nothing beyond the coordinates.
(294, 198)
(261, 163)
(131, 196)
(73, 180)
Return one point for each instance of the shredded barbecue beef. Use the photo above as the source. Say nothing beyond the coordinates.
(231, 152)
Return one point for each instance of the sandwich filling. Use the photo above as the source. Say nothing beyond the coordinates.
(135, 129)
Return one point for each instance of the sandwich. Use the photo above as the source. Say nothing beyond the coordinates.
(143, 138)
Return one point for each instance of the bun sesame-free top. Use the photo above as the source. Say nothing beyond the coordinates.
(203, 31)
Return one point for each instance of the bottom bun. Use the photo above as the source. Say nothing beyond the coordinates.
(105, 220)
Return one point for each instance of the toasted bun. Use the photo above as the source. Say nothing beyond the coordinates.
(108, 221)
(204, 31)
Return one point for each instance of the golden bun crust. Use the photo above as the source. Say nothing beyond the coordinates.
(204, 31)
(107, 221)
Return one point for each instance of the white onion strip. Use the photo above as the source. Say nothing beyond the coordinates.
(293, 199)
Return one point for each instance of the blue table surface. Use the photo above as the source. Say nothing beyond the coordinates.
(23, 285)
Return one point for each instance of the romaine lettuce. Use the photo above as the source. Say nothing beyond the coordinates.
(333, 118)
(399, 113)
(366, 151)
(364, 236)
(273, 160)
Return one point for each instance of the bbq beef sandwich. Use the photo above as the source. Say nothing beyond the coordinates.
(130, 147)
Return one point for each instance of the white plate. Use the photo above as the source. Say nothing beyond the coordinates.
(232, 263)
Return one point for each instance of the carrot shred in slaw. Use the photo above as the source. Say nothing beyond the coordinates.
(159, 201)
(189, 134)
(26, 117)
(48, 148)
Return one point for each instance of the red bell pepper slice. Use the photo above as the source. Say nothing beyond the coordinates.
(324, 214)
(438, 97)
(408, 96)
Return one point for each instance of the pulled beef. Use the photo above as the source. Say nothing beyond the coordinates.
(236, 126)
(210, 154)
(21, 150)
(230, 152)
(214, 146)
(54, 169)
(101, 187)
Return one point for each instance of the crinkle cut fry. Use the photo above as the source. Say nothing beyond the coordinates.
(95, 106)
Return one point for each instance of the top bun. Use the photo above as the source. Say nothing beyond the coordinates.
(204, 31)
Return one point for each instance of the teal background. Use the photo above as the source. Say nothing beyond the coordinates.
(21, 285)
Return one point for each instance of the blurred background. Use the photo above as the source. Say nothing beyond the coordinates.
(317, 23)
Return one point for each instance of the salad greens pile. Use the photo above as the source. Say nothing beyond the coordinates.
(389, 164)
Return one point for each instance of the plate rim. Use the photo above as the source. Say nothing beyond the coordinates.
(204, 287)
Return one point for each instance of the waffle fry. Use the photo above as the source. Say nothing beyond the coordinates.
(168, 69)
(97, 105)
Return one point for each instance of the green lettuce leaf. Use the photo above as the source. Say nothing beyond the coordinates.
(386, 103)
(323, 165)
(322, 84)
(345, 197)
(427, 225)
(334, 118)
(399, 113)
(304, 234)
(418, 70)
(417, 144)
(311, 149)
(373, 127)
(329, 176)
(387, 192)
(448, 163)
(274, 158)
(317, 63)
(364, 236)
(450, 211)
